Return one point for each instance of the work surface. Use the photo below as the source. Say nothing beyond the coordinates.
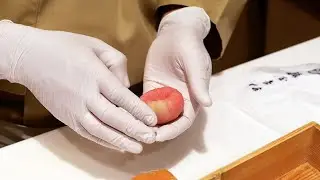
(253, 105)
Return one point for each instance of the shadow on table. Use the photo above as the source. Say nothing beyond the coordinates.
(103, 163)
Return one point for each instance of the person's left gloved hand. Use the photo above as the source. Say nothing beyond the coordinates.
(179, 59)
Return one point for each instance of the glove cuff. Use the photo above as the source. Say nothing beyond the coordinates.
(189, 17)
(11, 35)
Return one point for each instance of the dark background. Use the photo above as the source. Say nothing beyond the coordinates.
(267, 26)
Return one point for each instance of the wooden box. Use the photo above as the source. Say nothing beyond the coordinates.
(295, 156)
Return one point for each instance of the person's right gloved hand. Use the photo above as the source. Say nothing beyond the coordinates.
(81, 80)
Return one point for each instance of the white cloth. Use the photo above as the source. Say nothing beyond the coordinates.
(274, 96)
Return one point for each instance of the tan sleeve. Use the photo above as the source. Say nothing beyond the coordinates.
(224, 15)
(22, 11)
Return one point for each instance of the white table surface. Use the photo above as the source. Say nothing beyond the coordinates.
(221, 134)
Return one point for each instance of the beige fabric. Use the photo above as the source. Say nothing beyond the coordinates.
(127, 25)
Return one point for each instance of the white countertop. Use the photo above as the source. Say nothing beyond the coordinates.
(221, 134)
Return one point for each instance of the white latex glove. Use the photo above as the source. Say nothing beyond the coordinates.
(81, 80)
(179, 59)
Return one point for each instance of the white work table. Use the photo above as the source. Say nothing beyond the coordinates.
(221, 134)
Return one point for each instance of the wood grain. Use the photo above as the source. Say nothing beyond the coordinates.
(303, 172)
(277, 158)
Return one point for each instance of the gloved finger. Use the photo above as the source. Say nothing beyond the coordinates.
(123, 97)
(102, 131)
(114, 60)
(84, 133)
(174, 129)
(149, 85)
(117, 64)
(121, 120)
(198, 71)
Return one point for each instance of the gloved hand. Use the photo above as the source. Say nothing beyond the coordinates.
(81, 80)
(179, 59)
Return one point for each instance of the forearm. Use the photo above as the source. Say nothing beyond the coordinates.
(212, 39)
(201, 21)
(5, 62)
(223, 14)
(10, 39)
